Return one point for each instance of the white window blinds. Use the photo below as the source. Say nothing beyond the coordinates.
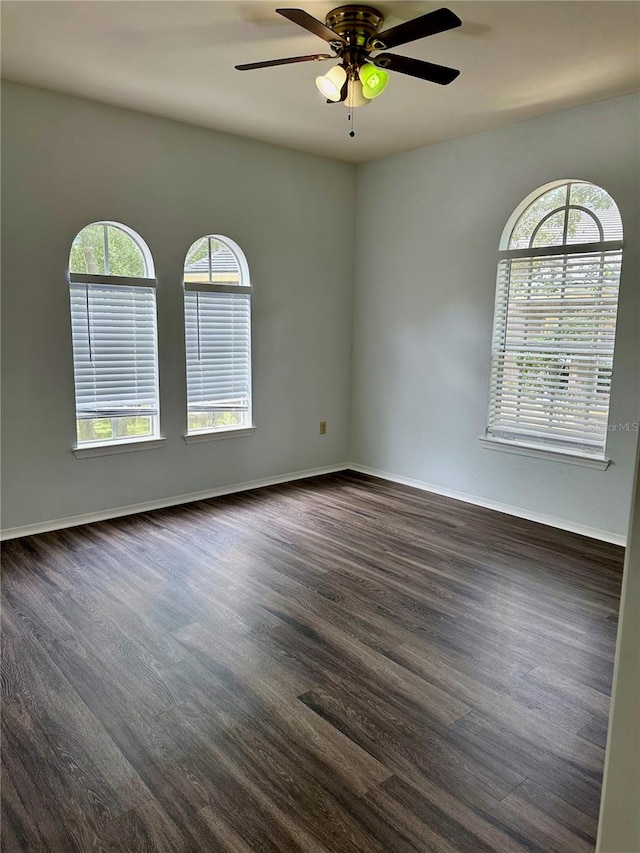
(555, 321)
(114, 350)
(218, 336)
(218, 346)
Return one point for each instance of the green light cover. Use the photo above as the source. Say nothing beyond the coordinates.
(374, 80)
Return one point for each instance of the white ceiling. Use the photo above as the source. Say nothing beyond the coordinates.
(176, 59)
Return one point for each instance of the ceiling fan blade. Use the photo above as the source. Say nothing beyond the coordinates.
(304, 19)
(419, 28)
(441, 74)
(288, 61)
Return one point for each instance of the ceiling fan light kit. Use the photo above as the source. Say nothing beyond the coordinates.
(355, 95)
(374, 80)
(330, 85)
(353, 32)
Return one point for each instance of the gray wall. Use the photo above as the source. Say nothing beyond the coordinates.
(68, 162)
(427, 232)
(619, 828)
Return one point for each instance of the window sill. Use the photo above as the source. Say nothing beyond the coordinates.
(107, 448)
(215, 435)
(572, 458)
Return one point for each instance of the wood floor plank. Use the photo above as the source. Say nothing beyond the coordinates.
(21, 796)
(545, 820)
(272, 801)
(570, 689)
(535, 758)
(467, 829)
(122, 660)
(245, 660)
(557, 810)
(335, 656)
(51, 737)
(547, 704)
(508, 713)
(595, 731)
(413, 750)
(146, 829)
(334, 665)
(256, 690)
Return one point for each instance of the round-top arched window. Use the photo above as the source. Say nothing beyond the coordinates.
(555, 320)
(568, 213)
(217, 306)
(113, 317)
(110, 248)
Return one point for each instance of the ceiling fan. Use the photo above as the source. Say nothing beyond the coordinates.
(353, 33)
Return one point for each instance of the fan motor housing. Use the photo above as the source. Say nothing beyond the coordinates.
(356, 24)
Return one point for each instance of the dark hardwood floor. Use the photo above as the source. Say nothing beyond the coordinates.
(336, 664)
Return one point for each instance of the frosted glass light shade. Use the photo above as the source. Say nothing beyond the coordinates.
(355, 97)
(332, 82)
(374, 80)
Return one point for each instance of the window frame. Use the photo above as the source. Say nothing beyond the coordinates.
(120, 444)
(546, 447)
(244, 286)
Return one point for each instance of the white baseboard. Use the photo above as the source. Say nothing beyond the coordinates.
(132, 509)
(541, 518)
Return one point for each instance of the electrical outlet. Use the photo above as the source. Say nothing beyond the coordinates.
(323, 427)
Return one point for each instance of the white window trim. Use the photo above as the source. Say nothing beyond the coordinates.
(550, 453)
(127, 445)
(244, 286)
(220, 433)
(120, 445)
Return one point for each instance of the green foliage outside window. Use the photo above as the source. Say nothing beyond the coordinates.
(88, 253)
(105, 429)
(213, 420)
(581, 194)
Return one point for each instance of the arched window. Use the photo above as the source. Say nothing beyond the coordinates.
(115, 354)
(555, 320)
(217, 307)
